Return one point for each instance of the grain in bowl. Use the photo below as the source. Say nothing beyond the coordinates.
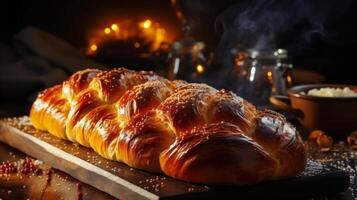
(331, 92)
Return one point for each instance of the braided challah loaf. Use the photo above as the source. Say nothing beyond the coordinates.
(188, 131)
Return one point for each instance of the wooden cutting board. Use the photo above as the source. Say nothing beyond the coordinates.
(124, 182)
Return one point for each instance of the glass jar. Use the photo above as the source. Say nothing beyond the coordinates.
(261, 73)
(187, 60)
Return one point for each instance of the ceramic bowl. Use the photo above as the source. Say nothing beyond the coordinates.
(337, 116)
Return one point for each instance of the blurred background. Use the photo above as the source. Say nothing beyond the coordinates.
(217, 42)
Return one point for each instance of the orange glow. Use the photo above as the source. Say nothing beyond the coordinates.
(289, 79)
(147, 24)
(115, 27)
(93, 47)
(200, 69)
(107, 30)
(160, 36)
(137, 45)
(241, 57)
(270, 76)
(150, 32)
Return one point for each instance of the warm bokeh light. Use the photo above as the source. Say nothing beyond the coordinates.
(115, 27)
(144, 33)
(270, 75)
(241, 57)
(93, 47)
(147, 24)
(137, 45)
(289, 79)
(107, 30)
(200, 69)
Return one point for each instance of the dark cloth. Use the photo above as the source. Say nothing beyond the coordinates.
(36, 61)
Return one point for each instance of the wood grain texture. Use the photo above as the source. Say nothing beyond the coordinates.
(73, 165)
(37, 186)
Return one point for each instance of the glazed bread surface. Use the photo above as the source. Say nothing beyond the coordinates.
(188, 131)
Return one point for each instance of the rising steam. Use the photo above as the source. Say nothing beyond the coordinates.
(268, 24)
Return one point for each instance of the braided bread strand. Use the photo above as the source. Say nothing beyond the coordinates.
(188, 131)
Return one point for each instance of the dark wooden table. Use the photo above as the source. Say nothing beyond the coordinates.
(60, 186)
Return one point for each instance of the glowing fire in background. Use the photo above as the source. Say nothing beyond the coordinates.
(146, 24)
(146, 32)
(200, 69)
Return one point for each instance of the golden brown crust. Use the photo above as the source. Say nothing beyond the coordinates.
(280, 139)
(142, 98)
(191, 132)
(226, 106)
(78, 82)
(185, 108)
(50, 110)
(218, 154)
(83, 103)
(142, 141)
